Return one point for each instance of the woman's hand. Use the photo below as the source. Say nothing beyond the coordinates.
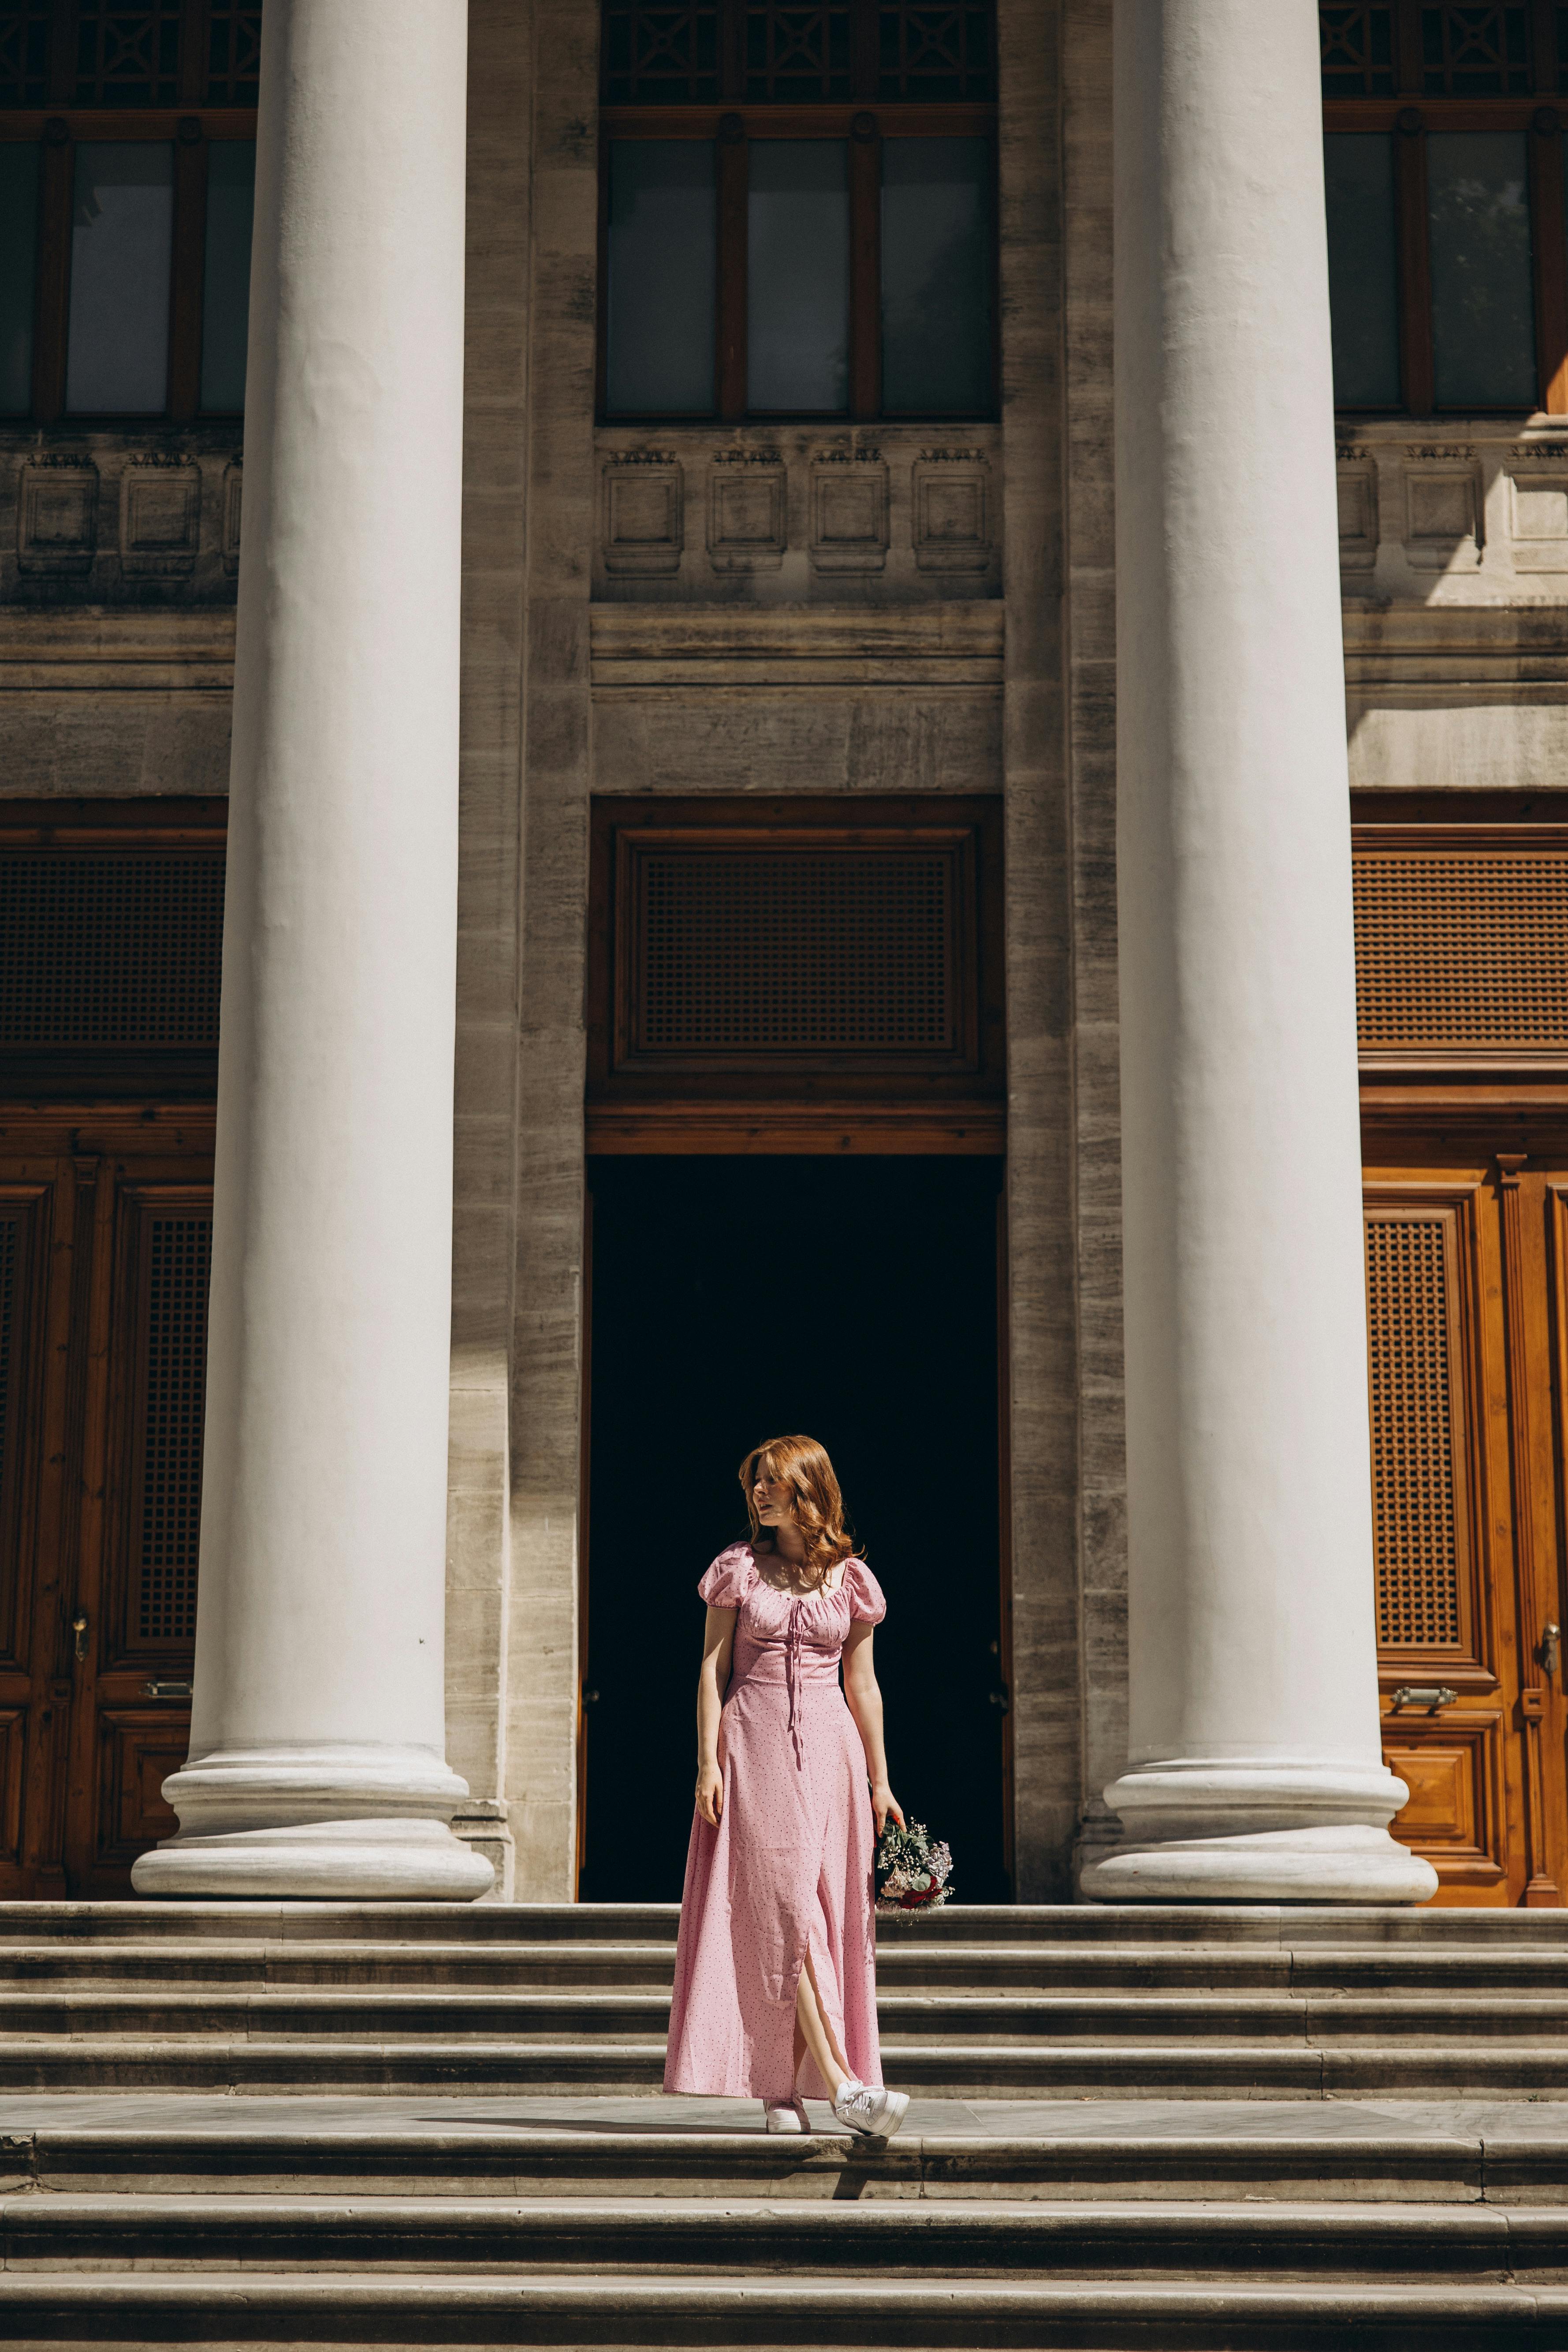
(711, 1794)
(884, 1803)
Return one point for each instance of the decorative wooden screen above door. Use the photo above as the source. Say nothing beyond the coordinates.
(1462, 948)
(110, 951)
(796, 975)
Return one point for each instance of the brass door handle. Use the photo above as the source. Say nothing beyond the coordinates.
(1548, 1639)
(78, 1627)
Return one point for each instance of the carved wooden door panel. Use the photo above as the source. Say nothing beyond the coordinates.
(1465, 1512)
(137, 1583)
(36, 1231)
(103, 1283)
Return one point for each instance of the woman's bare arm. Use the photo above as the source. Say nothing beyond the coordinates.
(713, 1682)
(864, 1694)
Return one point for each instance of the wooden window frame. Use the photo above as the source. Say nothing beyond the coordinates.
(190, 128)
(1408, 118)
(730, 124)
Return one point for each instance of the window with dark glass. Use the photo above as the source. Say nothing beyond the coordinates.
(127, 167)
(1443, 165)
(798, 214)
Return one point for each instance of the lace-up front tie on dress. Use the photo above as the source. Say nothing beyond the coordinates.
(790, 1867)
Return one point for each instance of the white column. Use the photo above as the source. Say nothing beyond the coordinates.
(1254, 1769)
(317, 1763)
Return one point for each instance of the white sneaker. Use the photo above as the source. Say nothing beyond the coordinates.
(787, 2118)
(875, 2115)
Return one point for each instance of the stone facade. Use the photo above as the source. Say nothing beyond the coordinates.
(844, 610)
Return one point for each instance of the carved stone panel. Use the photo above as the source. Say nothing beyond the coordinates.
(233, 499)
(848, 515)
(115, 515)
(1442, 512)
(159, 516)
(1538, 516)
(1357, 514)
(824, 513)
(950, 525)
(57, 515)
(747, 529)
(644, 515)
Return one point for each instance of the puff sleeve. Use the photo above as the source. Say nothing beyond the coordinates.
(866, 1606)
(730, 1579)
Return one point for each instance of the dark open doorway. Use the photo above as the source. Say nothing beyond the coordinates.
(739, 1298)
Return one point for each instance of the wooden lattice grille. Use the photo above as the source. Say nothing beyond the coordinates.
(1477, 52)
(1416, 1504)
(1466, 50)
(169, 1485)
(795, 53)
(24, 52)
(799, 951)
(801, 52)
(935, 53)
(234, 52)
(127, 52)
(659, 55)
(1462, 948)
(102, 947)
(1357, 46)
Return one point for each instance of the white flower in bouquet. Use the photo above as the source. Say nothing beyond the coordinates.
(911, 1871)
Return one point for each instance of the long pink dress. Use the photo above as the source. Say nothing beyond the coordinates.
(790, 1866)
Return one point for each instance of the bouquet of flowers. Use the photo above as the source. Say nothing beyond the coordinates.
(911, 1869)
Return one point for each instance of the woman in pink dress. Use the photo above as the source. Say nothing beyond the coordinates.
(775, 1972)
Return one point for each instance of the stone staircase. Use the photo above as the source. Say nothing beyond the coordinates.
(1172, 2129)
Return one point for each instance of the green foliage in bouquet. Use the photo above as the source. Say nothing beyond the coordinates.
(912, 1869)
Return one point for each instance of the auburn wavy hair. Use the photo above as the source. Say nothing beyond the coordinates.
(817, 1504)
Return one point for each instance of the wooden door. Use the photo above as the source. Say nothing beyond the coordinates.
(105, 1230)
(1465, 1274)
(782, 991)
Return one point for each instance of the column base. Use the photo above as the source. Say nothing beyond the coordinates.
(328, 1823)
(328, 1862)
(1228, 1831)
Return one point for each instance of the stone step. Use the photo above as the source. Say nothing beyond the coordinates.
(474, 2066)
(648, 1967)
(526, 2160)
(999, 2020)
(253, 2308)
(1260, 1926)
(637, 1966)
(902, 2239)
(360, 1923)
